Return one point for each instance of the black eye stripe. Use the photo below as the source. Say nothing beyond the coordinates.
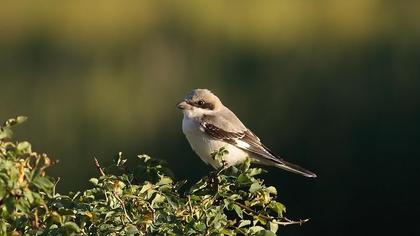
(206, 105)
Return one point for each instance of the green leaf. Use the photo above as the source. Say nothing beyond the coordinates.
(109, 214)
(200, 226)
(238, 211)
(38, 200)
(274, 227)
(131, 230)
(55, 217)
(278, 208)
(228, 204)
(21, 119)
(5, 132)
(3, 227)
(255, 229)
(265, 233)
(254, 187)
(71, 227)
(10, 203)
(244, 223)
(146, 187)
(2, 189)
(28, 194)
(44, 184)
(271, 190)
(94, 181)
(164, 181)
(23, 147)
(255, 171)
(158, 199)
(145, 158)
(243, 179)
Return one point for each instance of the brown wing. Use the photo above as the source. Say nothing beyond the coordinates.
(248, 141)
(245, 140)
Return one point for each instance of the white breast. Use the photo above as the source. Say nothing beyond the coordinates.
(204, 146)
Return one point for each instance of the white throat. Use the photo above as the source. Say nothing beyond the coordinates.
(196, 113)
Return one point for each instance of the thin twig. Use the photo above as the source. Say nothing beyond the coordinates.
(123, 206)
(191, 208)
(35, 222)
(55, 185)
(285, 221)
(290, 222)
(101, 171)
(247, 208)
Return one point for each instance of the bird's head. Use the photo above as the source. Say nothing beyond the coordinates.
(200, 102)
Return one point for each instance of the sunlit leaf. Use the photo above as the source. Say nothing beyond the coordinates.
(238, 211)
(255, 187)
(274, 227)
(131, 230)
(94, 181)
(23, 147)
(244, 223)
(71, 227)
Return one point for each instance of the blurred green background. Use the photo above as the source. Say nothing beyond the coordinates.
(330, 85)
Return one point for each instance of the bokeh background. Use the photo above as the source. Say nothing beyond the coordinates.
(331, 85)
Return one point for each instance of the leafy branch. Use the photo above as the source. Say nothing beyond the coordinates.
(139, 198)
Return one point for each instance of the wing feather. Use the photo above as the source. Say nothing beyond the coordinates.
(248, 141)
(245, 140)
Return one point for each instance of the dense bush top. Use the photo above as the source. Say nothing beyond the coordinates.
(137, 199)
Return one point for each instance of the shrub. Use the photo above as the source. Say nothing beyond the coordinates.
(124, 200)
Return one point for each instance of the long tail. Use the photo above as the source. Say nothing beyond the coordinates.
(294, 168)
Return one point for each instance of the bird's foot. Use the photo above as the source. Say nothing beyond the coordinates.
(224, 167)
(214, 176)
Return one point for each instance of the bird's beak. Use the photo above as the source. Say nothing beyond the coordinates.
(182, 105)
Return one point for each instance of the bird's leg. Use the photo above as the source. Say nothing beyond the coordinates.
(223, 167)
(213, 178)
(218, 156)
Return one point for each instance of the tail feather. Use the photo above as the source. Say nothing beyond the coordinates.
(295, 169)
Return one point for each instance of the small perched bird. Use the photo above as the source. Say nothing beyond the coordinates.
(210, 126)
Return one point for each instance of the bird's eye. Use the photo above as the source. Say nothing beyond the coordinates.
(201, 102)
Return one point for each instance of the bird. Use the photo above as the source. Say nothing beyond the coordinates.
(210, 126)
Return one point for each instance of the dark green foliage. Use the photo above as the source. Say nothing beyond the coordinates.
(131, 200)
